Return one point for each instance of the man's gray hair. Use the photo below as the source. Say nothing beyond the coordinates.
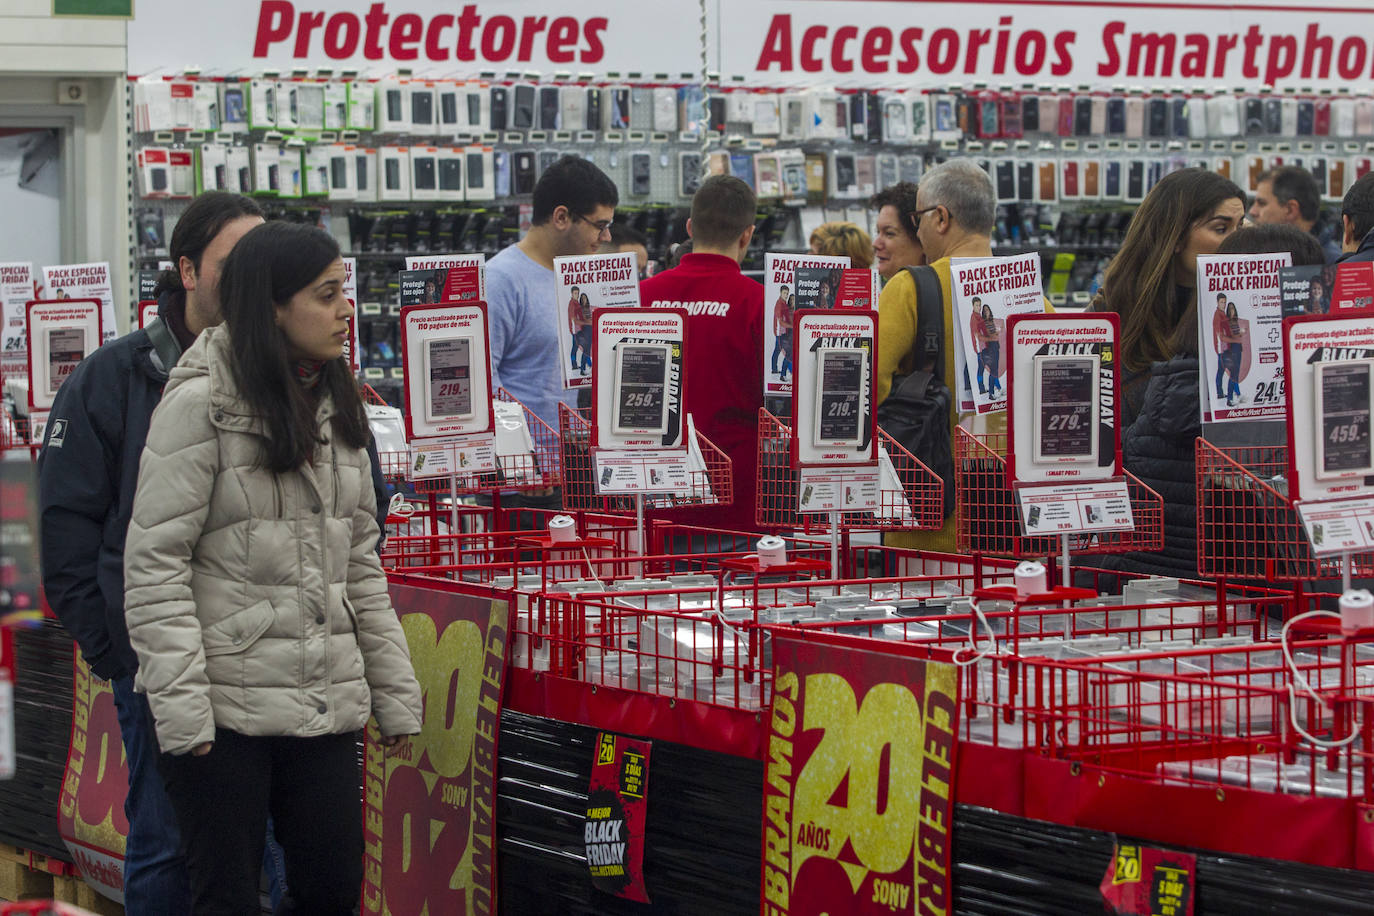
(966, 192)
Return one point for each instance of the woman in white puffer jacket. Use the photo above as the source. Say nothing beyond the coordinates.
(255, 602)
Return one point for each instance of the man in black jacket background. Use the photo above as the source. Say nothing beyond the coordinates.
(1357, 220)
(88, 470)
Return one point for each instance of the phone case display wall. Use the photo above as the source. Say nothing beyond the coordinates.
(1068, 163)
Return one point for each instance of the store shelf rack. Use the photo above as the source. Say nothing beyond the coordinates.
(1247, 525)
(916, 505)
(989, 521)
(710, 485)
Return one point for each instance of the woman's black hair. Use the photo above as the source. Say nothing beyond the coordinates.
(267, 267)
(196, 229)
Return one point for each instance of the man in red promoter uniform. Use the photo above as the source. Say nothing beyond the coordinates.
(724, 349)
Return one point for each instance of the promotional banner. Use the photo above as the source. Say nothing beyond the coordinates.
(585, 284)
(778, 43)
(440, 284)
(1306, 290)
(988, 291)
(429, 803)
(84, 281)
(90, 814)
(780, 303)
(460, 282)
(428, 35)
(1353, 287)
(1145, 881)
(883, 43)
(859, 782)
(16, 289)
(1240, 308)
(617, 805)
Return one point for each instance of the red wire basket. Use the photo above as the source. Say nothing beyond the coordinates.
(712, 486)
(917, 505)
(1247, 526)
(989, 521)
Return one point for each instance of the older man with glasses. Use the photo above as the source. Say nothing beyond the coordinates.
(953, 218)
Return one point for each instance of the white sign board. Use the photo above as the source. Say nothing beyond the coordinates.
(447, 370)
(61, 334)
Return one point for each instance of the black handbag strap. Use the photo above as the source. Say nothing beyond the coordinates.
(929, 346)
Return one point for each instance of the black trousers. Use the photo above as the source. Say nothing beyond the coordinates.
(310, 786)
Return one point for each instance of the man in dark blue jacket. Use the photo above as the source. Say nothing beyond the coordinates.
(1357, 220)
(87, 473)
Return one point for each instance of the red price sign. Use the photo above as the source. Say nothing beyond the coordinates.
(1144, 881)
(859, 791)
(429, 817)
(91, 808)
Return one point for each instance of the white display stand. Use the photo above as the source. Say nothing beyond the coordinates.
(1064, 438)
(61, 334)
(640, 426)
(835, 447)
(1330, 411)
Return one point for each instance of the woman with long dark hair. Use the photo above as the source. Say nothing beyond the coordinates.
(1159, 447)
(1151, 282)
(255, 603)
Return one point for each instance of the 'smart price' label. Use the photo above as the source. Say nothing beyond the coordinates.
(838, 489)
(1076, 508)
(1337, 527)
(859, 786)
(458, 456)
(630, 471)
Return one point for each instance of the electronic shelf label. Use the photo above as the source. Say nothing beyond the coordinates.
(1063, 424)
(833, 395)
(61, 333)
(637, 380)
(447, 371)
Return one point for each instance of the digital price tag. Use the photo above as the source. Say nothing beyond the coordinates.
(66, 349)
(841, 384)
(637, 378)
(832, 389)
(1062, 389)
(1345, 400)
(61, 333)
(640, 399)
(1066, 408)
(448, 369)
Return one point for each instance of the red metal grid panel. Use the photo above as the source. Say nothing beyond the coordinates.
(1247, 526)
(989, 521)
(712, 486)
(916, 506)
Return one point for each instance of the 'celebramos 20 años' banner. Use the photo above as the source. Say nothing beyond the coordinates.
(429, 821)
(90, 815)
(859, 786)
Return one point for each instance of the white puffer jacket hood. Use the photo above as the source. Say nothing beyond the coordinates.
(254, 600)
